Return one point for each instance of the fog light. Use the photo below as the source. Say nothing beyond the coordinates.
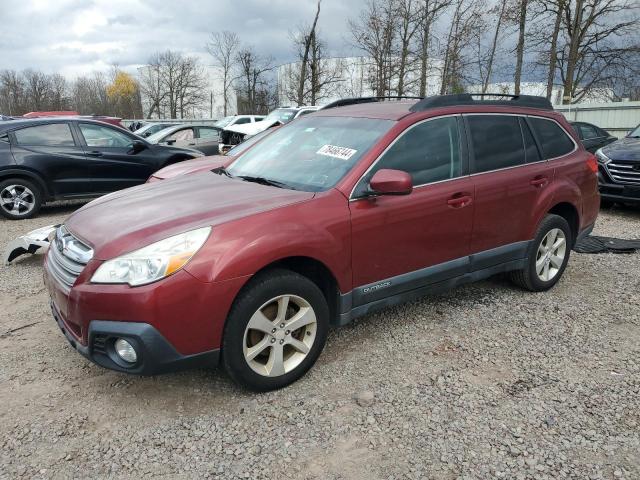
(126, 351)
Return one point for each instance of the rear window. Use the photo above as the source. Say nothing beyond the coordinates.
(54, 134)
(555, 142)
(497, 142)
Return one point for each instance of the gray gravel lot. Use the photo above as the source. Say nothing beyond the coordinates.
(486, 381)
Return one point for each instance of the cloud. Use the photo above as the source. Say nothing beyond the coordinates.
(75, 36)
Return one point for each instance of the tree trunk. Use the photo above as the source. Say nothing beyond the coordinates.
(493, 48)
(520, 47)
(553, 49)
(305, 57)
(572, 59)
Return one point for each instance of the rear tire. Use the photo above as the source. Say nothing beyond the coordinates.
(275, 331)
(547, 257)
(19, 198)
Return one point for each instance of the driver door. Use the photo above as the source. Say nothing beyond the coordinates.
(183, 138)
(400, 243)
(113, 164)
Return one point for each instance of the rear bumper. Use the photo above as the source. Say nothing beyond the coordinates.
(155, 354)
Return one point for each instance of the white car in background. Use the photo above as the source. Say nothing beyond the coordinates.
(235, 134)
(237, 120)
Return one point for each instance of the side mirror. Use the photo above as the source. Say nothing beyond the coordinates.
(138, 146)
(391, 182)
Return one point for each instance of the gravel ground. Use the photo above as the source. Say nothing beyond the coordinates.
(486, 381)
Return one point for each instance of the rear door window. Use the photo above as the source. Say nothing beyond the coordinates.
(497, 142)
(555, 142)
(54, 134)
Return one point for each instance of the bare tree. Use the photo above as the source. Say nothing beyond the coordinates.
(322, 75)
(173, 84)
(599, 45)
(408, 25)
(223, 47)
(500, 10)
(374, 33)
(465, 27)
(309, 39)
(428, 13)
(251, 81)
(522, 25)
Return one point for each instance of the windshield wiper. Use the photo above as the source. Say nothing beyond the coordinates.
(265, 181)
(222, 171)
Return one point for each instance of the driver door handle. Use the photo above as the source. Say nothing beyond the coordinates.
(94, 153)
(459, 200)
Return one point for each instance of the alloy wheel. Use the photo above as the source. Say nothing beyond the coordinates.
(279, 335)
(550, 255)
(17, 200)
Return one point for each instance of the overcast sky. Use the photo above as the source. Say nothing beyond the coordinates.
(74, 37)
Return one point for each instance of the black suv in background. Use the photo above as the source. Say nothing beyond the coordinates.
(619, 170)
(63, 158)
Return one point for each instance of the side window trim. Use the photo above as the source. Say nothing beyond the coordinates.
(462, 145)
(525, 120)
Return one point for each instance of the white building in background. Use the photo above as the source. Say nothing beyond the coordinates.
(352, 79)
(596, 95)
(213, 105)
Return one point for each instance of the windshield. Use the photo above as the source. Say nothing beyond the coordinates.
(635, 133)
(283, 115)
(238, 149)
(312, 153)
(224, 122)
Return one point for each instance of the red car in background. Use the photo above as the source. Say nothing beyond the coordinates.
(343, 212)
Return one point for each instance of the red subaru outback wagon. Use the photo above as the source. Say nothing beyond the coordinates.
(359, 206)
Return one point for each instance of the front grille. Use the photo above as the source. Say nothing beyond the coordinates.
(624, 172)
(67, 257)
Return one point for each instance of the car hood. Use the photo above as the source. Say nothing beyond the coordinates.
(135, 217)
(193, 166)
(624, 149)
(252, 128)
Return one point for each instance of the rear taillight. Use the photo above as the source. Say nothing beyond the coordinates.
(592, 163)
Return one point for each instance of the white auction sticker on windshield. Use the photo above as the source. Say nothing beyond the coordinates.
(343, 153)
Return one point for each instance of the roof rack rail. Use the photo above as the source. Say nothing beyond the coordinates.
(343, 102)
(496, 99)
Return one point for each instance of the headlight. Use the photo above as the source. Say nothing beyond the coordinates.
(602, 158)
(153, 262)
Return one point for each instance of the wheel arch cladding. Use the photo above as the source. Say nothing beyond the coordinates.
(29, 176)
(570, 213)
(314, 270)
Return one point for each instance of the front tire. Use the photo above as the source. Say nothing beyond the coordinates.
(547, 257)
(19, 198)
(275, 331)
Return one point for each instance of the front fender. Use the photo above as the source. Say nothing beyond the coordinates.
(318, 229)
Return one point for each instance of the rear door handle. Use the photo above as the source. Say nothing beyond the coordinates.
(539, 181)
(459, 200)
(94, 153)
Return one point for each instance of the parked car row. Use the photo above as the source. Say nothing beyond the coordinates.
(58, 158)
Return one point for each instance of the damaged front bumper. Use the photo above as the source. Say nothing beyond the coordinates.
(33, 242)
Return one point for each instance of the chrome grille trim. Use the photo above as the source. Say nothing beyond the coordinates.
(624, 172)
(67, 257)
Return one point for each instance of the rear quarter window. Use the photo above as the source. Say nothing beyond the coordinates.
(554, 140)
(54, 134)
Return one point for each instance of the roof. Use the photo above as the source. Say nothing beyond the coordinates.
(389, 110)
(23, 122)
